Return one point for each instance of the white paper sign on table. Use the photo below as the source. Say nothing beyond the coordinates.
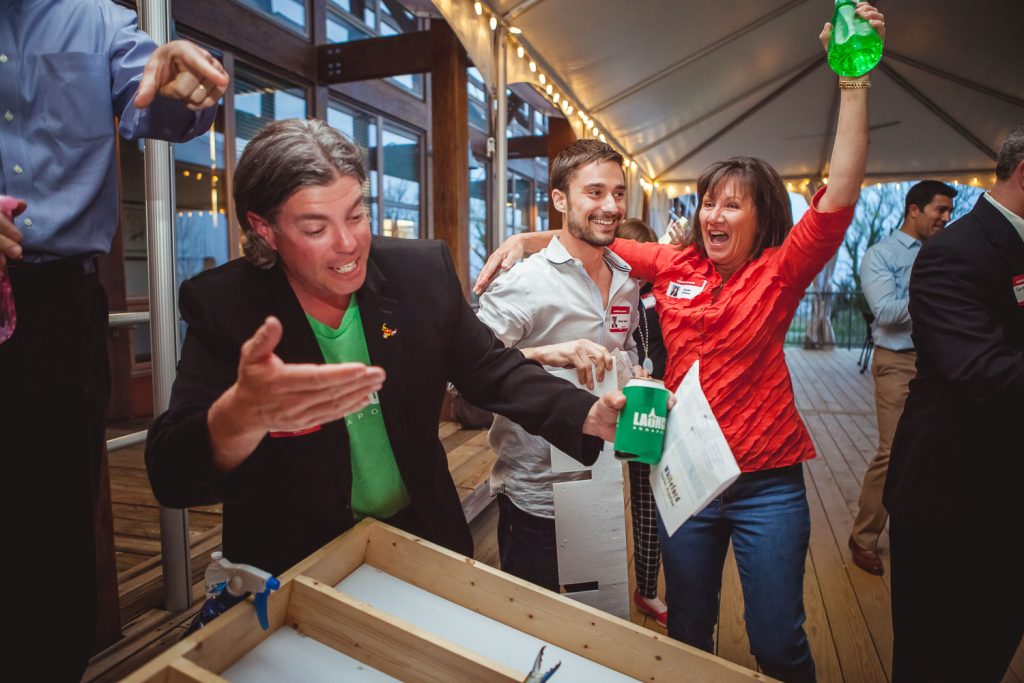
(697, 463)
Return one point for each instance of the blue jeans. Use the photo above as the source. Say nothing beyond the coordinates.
(765, 515)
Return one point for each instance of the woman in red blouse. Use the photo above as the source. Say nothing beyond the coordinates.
(728, 300)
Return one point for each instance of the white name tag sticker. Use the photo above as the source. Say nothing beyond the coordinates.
(618, 321)
(1018, 288)
(648, 301)
(685, 290)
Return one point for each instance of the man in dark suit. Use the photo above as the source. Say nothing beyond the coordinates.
(956, 520)
(299, 449)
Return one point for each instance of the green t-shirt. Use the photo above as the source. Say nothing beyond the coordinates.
(377, 487)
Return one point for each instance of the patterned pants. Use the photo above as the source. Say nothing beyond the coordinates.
(646, 549)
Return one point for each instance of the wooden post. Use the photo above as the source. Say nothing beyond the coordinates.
(450, 130)
(560, 136)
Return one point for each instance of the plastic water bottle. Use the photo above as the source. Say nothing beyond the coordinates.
(216, 577)
(854, 48)
(8, 315)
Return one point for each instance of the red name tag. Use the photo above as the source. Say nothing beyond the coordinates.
(1018, 288)
(297, 432)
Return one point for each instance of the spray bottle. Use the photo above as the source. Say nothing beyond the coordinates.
(227, 584)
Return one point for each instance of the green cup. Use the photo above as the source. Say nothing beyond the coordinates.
(640, 433)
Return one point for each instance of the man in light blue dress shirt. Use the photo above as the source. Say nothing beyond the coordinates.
(885, 278)
(68, 69)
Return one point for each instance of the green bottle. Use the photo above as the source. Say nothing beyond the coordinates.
(854, 48)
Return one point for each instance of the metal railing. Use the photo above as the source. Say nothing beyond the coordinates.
(130, 319)
(849, 326)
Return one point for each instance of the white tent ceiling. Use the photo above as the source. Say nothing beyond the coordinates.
(681, 83)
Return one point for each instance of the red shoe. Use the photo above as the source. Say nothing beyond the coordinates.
(641, 604)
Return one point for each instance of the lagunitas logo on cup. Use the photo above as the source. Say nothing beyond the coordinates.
(640, 433)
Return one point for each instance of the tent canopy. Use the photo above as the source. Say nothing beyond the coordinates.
(679, 84)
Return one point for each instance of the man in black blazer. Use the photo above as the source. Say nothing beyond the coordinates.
(953, 490)
(297, 448)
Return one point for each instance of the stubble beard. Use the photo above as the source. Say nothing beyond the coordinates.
(583, 232)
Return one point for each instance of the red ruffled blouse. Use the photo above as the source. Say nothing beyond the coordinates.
(739, 337)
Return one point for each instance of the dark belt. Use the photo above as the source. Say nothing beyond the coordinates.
(70, 267)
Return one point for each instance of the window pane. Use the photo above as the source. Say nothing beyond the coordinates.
(477, 216)
(341, 31)
(541, 197)
(361, 129)
(259, 100)
(201, 225)
(518, 205)
(477, 93)
(290, 13)
(401, 184)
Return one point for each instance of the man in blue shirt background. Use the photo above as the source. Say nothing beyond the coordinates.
(68, 69)
(885, 277)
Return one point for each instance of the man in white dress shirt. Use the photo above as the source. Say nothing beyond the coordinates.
(565, 307)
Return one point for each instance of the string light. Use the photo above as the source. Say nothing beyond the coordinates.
(543, 79)
(555, 98)
(602, 138)
(478, 8)
(520, 52)
(515, 30)
(568, 109)
(533, 66)
(632, 164)
(494, 23)
(549, 89)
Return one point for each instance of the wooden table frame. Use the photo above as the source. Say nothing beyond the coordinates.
(308, 602)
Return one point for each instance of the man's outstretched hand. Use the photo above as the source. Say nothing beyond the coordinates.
(183, 71)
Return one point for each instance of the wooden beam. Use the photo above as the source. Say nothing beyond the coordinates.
(449, 120)
(385, 642)
(555, 619)
(184, 671)
(362, 60)
(560, 136)
(528, 146)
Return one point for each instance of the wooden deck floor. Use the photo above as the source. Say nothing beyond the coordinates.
(848, 621)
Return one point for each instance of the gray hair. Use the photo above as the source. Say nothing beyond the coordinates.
(1011, 153)
(285, 157)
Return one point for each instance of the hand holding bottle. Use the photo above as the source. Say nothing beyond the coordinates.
(854, 37)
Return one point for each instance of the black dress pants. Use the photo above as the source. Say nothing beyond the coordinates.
(54, 389)
(957, 609)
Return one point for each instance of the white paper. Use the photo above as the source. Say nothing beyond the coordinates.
(562, 462)
(697, 463)
(590, 518)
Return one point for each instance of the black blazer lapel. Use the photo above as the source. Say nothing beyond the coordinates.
(385, 339)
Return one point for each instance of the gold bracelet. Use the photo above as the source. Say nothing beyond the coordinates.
(849, 84)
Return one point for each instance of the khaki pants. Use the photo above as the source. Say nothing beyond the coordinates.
(893, 372)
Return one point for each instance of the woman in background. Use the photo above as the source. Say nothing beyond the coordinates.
(651, 352)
